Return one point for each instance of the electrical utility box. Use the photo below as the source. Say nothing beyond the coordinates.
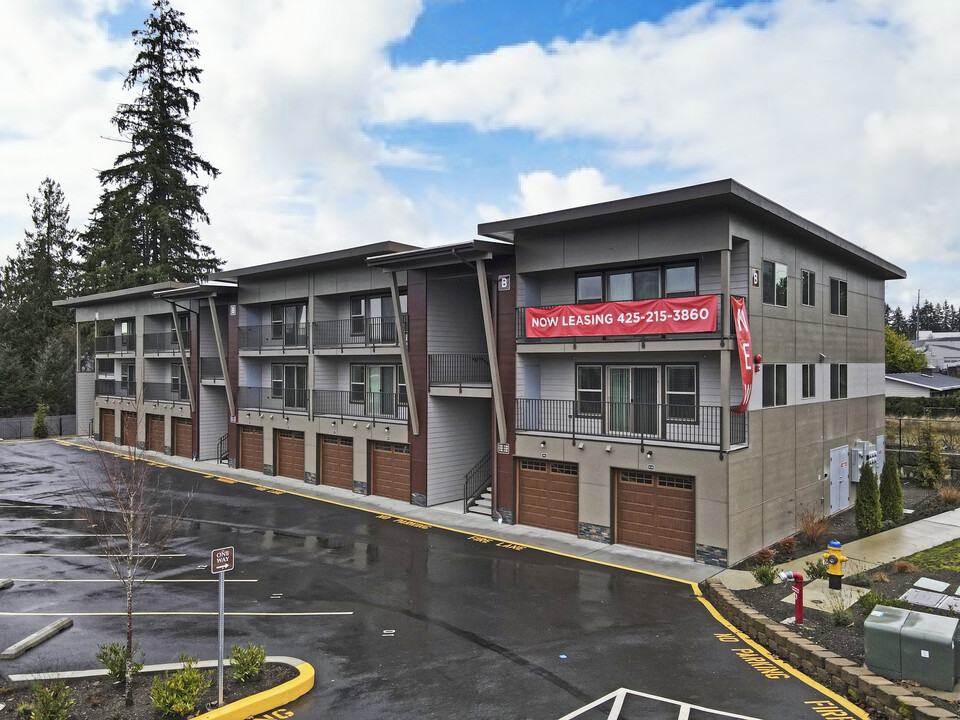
(864, 452)
(881, 641)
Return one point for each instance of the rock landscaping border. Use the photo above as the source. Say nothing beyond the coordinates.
(843, 676)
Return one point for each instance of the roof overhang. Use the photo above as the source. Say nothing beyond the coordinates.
(323, 261)
(441, 256)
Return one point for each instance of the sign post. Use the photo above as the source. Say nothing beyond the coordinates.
(221, 561)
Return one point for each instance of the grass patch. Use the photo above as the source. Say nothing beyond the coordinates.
(943, 557)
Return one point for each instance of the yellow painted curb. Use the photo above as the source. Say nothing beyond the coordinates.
(267, 700)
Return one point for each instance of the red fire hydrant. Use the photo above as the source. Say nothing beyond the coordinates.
(797, 591)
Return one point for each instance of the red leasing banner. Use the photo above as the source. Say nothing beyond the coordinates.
(633, 317)
(745, 351)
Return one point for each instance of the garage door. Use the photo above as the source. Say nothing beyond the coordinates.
(335, 462)
(656, 511)
(128, 428)
(548, 495)
(108, 425)
(183, 437)
(289, 450)
(390, 470)
(251, 448)
(155, 428)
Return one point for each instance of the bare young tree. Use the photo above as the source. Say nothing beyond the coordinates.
(133, 519)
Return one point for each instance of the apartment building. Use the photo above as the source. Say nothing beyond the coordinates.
(589, 371)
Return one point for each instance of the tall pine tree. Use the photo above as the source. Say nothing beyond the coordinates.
(143, 229)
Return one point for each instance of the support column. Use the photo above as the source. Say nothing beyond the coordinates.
(183, 356)
(491, 352)
(231, 403)
(404, 357)
(725, 351)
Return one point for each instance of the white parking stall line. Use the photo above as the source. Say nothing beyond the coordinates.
(146, 613)
(37, 519)
(57, 535)
(618, 697)
(171, 555)
(115, 580)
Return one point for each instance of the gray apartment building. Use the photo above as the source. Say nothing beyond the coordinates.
(686, 371)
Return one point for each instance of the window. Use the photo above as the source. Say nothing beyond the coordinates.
(183, 320)
(808, 288)
(590, 288)
(128, 334)
(838, 297)
(808, 380)
(774, 385)
(774, 283)
(401, 386)
(289, 382)
(838, 381)
(357, 315)
(357, 384)
(620, 286)
(128, 378)
(178, 381)
(680, 281)
(372, 317)
(589, 390)
(288, 323)
(682, 392)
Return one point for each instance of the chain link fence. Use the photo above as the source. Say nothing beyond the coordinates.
(903, 441)
(16, 428)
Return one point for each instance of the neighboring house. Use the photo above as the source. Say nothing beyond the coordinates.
(587, 370)
(920, 384)
(942, 350)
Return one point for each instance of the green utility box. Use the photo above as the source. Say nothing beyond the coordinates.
(908, 645)
(881, 641)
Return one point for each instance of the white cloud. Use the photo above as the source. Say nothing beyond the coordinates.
(543, 191)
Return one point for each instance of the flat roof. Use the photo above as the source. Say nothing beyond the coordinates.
(935, 381)
(719, 193)
(314, 262)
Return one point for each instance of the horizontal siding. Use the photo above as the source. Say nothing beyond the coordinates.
(459, 436)
(214, 414)
(454, 317)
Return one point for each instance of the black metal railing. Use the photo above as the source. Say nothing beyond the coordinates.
(521, 325)
(116, 343)
(281, 400)
(276, 336)
(166, 391)
(115, 388)
(357, 332)
(476, 481)
(222, 449)
(210, 368)
(685, 424)
(348, 403)
(459, 369)
(165, 341)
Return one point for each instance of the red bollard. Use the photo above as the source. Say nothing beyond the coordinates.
(798, 591)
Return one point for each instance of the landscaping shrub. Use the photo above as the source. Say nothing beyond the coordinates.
(764, 556)
(878, 597)
(813, 526)
(787, 546)
(815, 569)
(904, 566)
(868, 514)
(40, 421)
(111, 656)
(246, 663)
(764, 574)
(879, 577)
(179, 692)
(47, 702)
(950, 494)
(930, 465)
(891, 492)
(840, 616)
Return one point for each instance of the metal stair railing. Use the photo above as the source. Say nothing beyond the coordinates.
(476, 481)
(222, 450)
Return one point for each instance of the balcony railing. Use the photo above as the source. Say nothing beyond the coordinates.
(163, 342)
(210, 368)
(357, 332)
(166, 391)
(265, 398)
(115, 388)
(684, 424)
(279, 336)
(347, 403)
(116, 343)
(459, 369)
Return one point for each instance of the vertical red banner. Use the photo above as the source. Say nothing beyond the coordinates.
(744, 350)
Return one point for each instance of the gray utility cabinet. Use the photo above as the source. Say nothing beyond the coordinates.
(908, 645)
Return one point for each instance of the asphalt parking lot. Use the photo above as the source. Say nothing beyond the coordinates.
(400, 618)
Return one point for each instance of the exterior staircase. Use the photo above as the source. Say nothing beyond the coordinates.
(482, 505)
(477, 497)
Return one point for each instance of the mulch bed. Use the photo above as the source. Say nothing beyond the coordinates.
(102, 699)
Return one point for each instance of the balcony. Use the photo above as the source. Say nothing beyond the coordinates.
(166, 392)
(280, 400)
(164, 343)
(276, 337)
(681, 424)
(211, 370)
(347, 403)
(115, 388)
(107, 344)
(357, 332)
(459, 369)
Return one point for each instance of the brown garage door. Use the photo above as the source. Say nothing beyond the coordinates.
(108, 425)
(335, 461)
(155, 427)
(390, 470)
(548, 495)
(128, 428)
(656, 511)
(251, 448)
(183, 437)
(289, 451)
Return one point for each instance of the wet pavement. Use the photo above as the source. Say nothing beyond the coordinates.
(400, 618)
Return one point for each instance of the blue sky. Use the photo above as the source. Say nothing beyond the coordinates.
(337, 124)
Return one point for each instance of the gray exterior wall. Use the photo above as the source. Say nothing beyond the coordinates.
(459, 437)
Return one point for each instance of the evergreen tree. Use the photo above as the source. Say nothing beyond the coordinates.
(868, 513)
(900, 355)
(143, 229)
(930, 465)
(891, 492)
(54, 373)
(898, 323)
